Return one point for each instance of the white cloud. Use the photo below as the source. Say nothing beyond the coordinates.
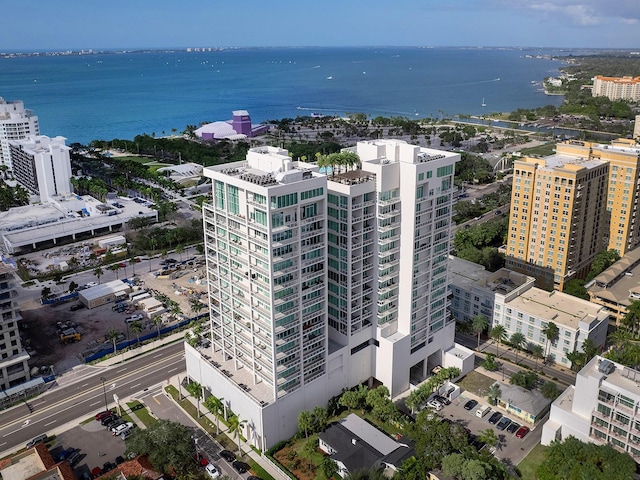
(584, 13)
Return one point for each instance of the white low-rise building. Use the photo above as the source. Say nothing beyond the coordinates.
(603, 407)
(530, 311)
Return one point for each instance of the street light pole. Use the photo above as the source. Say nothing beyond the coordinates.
(104, 390)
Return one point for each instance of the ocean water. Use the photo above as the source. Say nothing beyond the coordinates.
(120, 95)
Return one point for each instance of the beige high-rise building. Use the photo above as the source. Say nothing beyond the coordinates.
(616, 88)
(622, 206)
(557, 220)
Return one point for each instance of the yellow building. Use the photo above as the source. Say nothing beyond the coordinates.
(616, 88)
(622, 203)
(557, 221)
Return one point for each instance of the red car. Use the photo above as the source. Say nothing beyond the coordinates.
(101, 415)
(522, 431)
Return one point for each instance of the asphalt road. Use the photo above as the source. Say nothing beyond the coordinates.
(62, 406)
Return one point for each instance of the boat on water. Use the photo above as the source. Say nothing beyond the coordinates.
(483, 102)
(329, 77)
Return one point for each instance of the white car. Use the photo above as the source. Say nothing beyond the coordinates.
(212, 471)
(437, 406)
(134, 318)
(120, 429)
(91, 284)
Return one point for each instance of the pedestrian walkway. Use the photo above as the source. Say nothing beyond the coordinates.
(245, 447)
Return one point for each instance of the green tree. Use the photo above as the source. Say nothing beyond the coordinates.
(235, 426)
(168, 445)
(113, 335)
(136, 327)
(576, 288)
(550, 390)
(45, 293)
(499, 334)
(479, 324)
(98, 272)
(493, 394)
(517, 340)
(524, 379)
(216, 406)
(195, 389)
(631, 319)
(538, 352)
(573, 459)
(551, 332)
(320, 418)
(489, 363)
(488, 436)
(73, 286)
(305, 422)
(369, 474)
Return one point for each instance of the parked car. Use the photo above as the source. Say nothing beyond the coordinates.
(227, 455)
(123, 427)
(114, 423)
(493, 419)
(212, 471)
(522, 432)
(503, 423)
(200, 459)
(91, 284)
(108, 419)
(36, 440)
(470, 405)
(105, 413)
(513, 427)
(134, 318)
(437, 406)
(77, 306)
(442, 400)
(64, 454)
(74, 458)
(241, 467)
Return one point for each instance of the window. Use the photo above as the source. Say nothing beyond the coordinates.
(234, 205)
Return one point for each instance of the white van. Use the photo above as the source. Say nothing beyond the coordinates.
(482, 411)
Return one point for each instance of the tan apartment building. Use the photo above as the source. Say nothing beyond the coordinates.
(616, 88)
(623, 190)
(557, 221)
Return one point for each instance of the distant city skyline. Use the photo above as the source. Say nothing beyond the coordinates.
(61, 25)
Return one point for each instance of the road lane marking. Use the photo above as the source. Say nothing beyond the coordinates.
(172, 370)
(136, 385)
(157, 356)
(84, 385)
(95, 403)
(121, 370)
(50, 423)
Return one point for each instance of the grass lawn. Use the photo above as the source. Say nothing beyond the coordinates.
(543, 150)
(531, 462)
(476, 383)
(142, 413)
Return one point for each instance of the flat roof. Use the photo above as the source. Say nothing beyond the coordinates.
(465, 273)
(556, 306)
(624, 379)
(108, 288)
(561, 160)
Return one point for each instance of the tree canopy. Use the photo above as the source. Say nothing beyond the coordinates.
(576, 460)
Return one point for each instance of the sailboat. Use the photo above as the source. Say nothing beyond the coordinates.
(483, 104)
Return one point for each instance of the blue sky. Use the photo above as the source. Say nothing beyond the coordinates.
(72, 24)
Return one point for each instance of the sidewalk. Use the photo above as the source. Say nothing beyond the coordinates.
(245, 447)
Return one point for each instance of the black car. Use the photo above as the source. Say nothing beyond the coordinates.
(442, 400)
(227, 455)
(76, 306)
(108, 419)
(493, 419)
(241, 467)
(503, 423)
(118, 421)
(513, 428)
(470, 404)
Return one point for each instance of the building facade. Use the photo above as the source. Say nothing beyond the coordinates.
(474, 290)
(16, 123)
(623, 156)
(616, 88)
(42, 165)
(14, 367)
(603, 407)
(557, 220)
(309, 279)
(530, 311)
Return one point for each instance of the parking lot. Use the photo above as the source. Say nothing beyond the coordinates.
(509, 448)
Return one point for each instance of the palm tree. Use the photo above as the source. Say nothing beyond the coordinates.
(631, 320)
(538, 352)
(132, 262)
(179, 250)
(98, 272)
(488, 436)
(493, 393)
(136, 327)
(195, 389)
(235, 426)
(216, 406)
(620, 337)
(551, 331)
(157, 321)
(113, 335)
(114, 267)
(478, 324)
(498, 333)
(517, 340)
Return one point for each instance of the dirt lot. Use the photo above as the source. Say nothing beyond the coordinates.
(41, 321)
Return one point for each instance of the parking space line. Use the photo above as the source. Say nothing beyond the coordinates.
(157, 401)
